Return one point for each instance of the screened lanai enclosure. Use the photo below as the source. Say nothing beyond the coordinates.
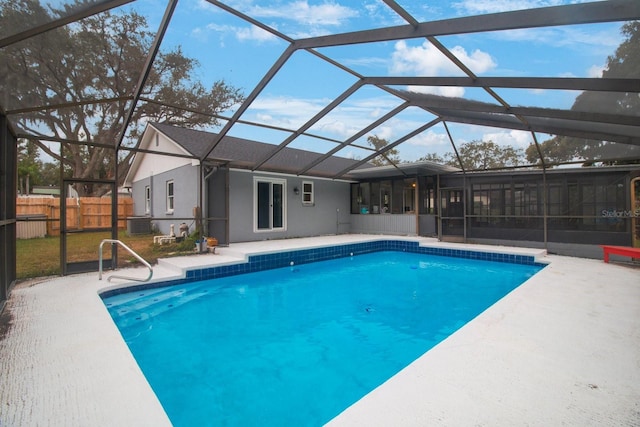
(460, 87)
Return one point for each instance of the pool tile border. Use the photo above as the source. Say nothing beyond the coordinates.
(303, 256)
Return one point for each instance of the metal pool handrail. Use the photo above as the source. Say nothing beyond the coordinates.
(138, 257)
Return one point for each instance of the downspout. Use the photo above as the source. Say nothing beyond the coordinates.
(200, 185)
(148, 213)
(214, 169)
(151, 195)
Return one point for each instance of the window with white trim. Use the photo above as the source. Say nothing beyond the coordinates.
(147, 199)
(307, 193)
(170, 202)
(269, 204)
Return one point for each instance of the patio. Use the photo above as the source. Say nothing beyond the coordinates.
(563, 348)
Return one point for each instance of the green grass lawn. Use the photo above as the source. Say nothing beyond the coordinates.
(41, 257)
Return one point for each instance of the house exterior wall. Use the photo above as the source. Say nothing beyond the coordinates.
(186, 188)
(328, 215)
(151, 164)
(400, 224)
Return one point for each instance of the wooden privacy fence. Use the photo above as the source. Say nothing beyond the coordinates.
(82, 213)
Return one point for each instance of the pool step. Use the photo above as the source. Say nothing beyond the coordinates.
(194, 262)
(132, 309)
(167, 264)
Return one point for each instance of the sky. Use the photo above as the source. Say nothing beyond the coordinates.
(239, 53)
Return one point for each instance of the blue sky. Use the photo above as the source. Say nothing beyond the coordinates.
(233, 50)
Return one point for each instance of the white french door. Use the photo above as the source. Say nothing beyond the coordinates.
(269, 204)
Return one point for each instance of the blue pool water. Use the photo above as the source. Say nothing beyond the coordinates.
(295, 346)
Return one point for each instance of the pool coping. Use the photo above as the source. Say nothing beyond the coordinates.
(264, 260)
(561, 348)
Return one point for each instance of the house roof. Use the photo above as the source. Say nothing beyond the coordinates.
(406, 169)
(244, 154)
(426, 168)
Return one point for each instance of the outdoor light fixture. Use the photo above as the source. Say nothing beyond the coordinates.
(296, 190)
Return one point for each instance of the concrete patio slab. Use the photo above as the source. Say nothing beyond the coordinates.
(563, 348)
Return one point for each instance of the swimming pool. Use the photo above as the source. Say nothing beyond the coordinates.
(297, 345)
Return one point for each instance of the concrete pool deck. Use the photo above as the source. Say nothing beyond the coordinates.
(562, 349)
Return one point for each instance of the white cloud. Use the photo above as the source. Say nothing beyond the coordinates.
(479, 62)
(595, 71)
(602, 39)
(377, 105)
(254, 33)
(475, 7)
(298, 19)
(365, 62)
(264, 118)
(291, 113)
(240, 33)
(380, 13)
(449, 91)
(198, 34)
(537, 92)
(513, 138)
(286, 111)
(429, 142)
(336, 127)
(204, 5)
(341, 123)
(340, 126)
(353, 115)
(432, 140)
(324, 14)
(384, 132)
(427, 60)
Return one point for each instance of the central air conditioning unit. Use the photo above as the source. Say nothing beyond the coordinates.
(138, 225)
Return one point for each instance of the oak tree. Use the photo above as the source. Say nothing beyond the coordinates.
(479, 155)
(624, 63)
(389, 157)
(76, 84)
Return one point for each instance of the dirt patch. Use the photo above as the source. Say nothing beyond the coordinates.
(6, 320)
(31, 282)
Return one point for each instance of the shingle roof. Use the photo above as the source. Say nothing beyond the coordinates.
(244, 154)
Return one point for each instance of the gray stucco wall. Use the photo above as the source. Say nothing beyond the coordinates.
(397, 224)
(185, 190)
(328, 215)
